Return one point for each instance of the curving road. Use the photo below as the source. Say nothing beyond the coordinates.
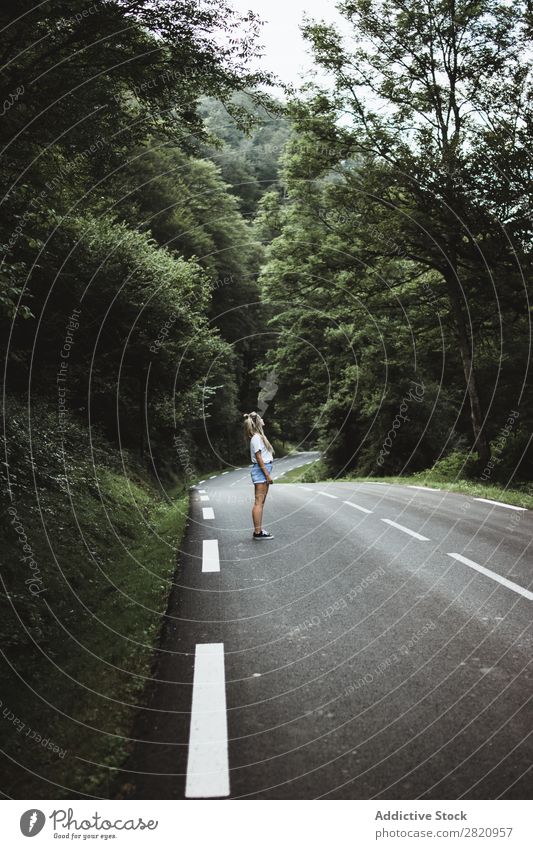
(378, 647)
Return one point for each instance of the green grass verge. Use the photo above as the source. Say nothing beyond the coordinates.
(78, 656)
(520, 497)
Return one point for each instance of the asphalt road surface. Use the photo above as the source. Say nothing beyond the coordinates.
(378, 647)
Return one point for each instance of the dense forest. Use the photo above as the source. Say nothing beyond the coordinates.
(136, 147)
(178, 236)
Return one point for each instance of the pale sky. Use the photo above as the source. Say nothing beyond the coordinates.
(285, 50)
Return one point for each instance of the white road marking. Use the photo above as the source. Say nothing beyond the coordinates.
(208, 762)
(494, 575)
(357, 507)
(425, 488)
(225, 473)
(210, 556)
(208, 513)
(500, 504)
(204, 498)
(406, 530)
(320, 492)
(212, 477)
(239, 480)
(202, 491)
(201, 481)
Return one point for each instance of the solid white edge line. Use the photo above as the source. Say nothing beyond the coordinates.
(210, 556)
(321, 492)
(424, 488)
(357, 507)
(406, 530)
(494, 575)
(208, 761)
(500, 504)
(208, 513)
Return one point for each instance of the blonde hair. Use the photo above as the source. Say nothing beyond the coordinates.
(253, 423)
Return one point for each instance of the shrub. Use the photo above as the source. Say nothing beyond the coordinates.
(456, 466)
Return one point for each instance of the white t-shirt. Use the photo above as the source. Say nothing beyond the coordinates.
(257, 444)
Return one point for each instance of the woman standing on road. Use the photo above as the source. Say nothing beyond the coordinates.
(262, 455)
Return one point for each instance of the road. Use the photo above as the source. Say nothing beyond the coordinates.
(378, 647)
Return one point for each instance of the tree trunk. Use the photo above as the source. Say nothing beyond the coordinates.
(141, 414)
(481, 443)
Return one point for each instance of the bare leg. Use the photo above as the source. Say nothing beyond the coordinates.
(261, 490)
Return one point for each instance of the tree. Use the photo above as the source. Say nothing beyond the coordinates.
(101, 140)
(84, 85)
(433, 96)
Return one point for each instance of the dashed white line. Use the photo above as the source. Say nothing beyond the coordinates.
(212, 477)
(225, 473)
(238, 480)
(201, 481)
(494, 575)
(357, 507)
(202, 491)
(208, 763)
(210, 556)
(500, 504)
(406, 530)
(424, 488)
(204, 498)
(320, 492)
(208, 513)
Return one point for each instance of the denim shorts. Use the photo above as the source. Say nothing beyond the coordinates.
(257, 472)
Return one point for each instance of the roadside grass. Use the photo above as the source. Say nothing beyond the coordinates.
(310, 473)
(522, 497)
(79, 656)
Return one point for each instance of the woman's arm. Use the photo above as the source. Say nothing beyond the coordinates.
(261, 462)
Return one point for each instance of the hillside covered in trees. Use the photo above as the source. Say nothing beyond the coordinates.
(136, 145)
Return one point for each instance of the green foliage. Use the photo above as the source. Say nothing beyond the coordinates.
(125, 260)
(456, 466)
(82, 637)
(396, 254)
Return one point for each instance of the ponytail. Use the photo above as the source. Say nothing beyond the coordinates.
(253, 424)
